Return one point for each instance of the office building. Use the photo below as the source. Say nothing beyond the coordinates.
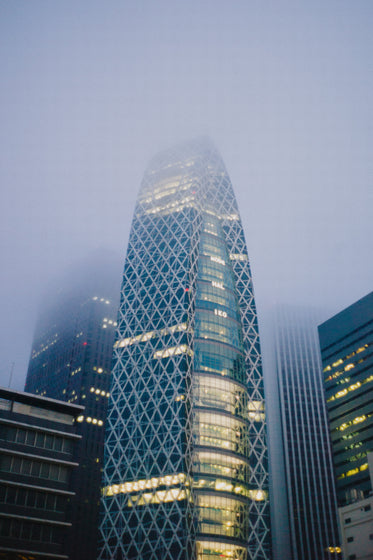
(186, 472)
(38, 450)
(309, 481)
(346, 342)
(71, 360)
(356, 520)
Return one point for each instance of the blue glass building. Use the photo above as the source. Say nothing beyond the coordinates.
(185, 473)
(346, 341)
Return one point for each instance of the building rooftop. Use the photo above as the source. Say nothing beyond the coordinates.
(41, 402)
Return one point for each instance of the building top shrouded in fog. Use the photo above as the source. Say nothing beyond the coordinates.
(185, 456)
(312, 507)
(71, 360)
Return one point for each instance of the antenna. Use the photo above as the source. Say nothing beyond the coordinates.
(11, 374)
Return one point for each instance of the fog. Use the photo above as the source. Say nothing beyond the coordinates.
(92, 90)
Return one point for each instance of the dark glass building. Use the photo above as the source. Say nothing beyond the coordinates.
(38, 450)
(185, 472)
(346, 342)
(71, 360)
(309, 481)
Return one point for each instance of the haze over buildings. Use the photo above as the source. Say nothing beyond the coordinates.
(91, 91)
(71, 361)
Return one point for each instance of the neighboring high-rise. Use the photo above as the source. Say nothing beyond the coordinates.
(71, 360)
(185, 472)
(346, 342)
(38, 450)
(311, 501)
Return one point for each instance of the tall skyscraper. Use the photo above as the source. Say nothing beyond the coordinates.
(71, 360)
(312, 507)
(347, 354)
(185, 472)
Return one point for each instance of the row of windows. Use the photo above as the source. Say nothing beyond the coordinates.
(13, 495)
(36, 439)
(46, 413)
(213, 246)
(218, 358)
(209, 550)
(221, 431)
(220, 393)
(222, 516)
(221, 485)
(349, 370)
(219, 464)
(17, 529)
(213, 294)
(29, 467)
(209, 270)
(222, 329)
(209, 296)
(340, 361)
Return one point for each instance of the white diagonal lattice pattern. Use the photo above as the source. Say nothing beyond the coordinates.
(187, 314)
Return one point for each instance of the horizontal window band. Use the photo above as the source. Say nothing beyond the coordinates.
(35, 519)
(38, 488)
(38, 457)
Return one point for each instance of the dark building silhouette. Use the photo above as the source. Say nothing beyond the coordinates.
(186, 472)
(309, 481)
(346, 342)
(71, 360)
(38, 458)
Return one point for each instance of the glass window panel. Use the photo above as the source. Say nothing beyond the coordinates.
(223, 329)
(58, 443)
(31, 498)
(21, 436)
(54, 472)
(63, 474)
(217, 358)
(20, 497)
(221, 431)
(5, 463)
(222, 516)
(220, 393)
(16, 465)
(40, 439)
(40, 500)
(44, 470)
(49, 439)
(214, 463)
(30, 437)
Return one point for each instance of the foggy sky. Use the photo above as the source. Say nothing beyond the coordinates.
(92, 90)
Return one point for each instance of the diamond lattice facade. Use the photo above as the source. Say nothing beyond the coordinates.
(186, 473)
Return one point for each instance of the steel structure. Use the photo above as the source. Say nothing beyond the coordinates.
(185, 472)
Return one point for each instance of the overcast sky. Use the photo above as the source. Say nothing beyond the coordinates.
(91, 90)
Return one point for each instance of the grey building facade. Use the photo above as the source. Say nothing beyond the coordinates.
(311, 499)
(38, 450)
